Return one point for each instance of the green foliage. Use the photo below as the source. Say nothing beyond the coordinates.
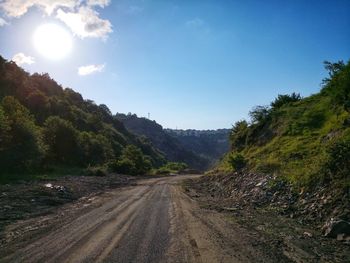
(285, 99)
(304, 140)
(237, 161)
(43, 125)
(333, 69)
(123, 166)
(95, 171)
(238, 135)
(171, 168)
(20, 145)
(95, 149)
(337, 165)
(62, 140)
(176, 166)
(5, 129)
(132, 161)
(259, 114)
(338, 83)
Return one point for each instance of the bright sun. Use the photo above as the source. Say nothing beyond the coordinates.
(52, 41)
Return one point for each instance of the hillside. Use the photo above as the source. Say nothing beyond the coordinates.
(171, 147)
(293, 157)
(209, 144)
(296, 138)
(43, 126)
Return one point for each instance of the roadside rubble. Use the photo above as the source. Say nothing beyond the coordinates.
(308, 225)
(315, 207)
(30, 199)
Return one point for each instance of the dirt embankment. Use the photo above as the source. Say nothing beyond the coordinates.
(293, 221)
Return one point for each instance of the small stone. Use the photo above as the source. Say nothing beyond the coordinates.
(307, 234)
(340, 237)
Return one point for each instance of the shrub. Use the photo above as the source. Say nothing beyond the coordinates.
(237, 161)
(338, 164)
(95, 171)
(285, 99)
(132, 162)
(124, 166)
(259, 114)
(238, 135)
(171, 167)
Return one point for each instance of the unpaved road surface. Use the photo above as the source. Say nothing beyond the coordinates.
(151, 221)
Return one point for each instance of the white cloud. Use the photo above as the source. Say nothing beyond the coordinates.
(78, 15)
(21, 59)
(85, 23)
(100, 3)
(89, 69)
(17, 8)
(195, 23)
(3, 22)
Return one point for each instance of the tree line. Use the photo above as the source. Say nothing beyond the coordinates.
(43, 125)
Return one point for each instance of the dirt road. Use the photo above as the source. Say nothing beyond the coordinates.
(152, 221)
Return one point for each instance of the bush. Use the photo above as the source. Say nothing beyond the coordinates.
(259, 114)
(285, 99)
(237, 161)
(338, 164)
(171, 167)
(238, 135)
(124, 166)
(132, 162)
(95, 171)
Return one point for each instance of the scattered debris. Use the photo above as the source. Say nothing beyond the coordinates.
(338, 229)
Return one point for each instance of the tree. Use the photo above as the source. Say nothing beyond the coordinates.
(62, 140)
(132, 162)
(259, 114)
(95, 149)
(333, 69)
(337, 86)
(5, 129)
(237, 161)
(238, 135)
(37, 102)
(21, 146)
(285, 99)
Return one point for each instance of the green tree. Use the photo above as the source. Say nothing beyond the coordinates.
(285, 99)
(95, 149)
(259, 114)
(333, 69)
(5, 129)
(62, 140)
(238, 135)
(338, 85)
(132, 162)
(21, 146)
(237, 161)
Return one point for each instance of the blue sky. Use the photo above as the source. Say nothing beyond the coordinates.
(190, 64)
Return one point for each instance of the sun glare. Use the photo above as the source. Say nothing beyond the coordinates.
(52, 41)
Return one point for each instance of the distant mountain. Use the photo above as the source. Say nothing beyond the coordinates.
(198, 149)
(209, 144)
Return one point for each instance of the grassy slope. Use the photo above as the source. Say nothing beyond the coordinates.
(301, 134)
